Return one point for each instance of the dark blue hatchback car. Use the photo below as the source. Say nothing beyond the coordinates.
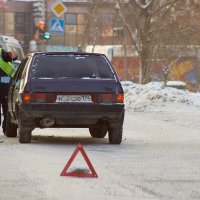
(57, 89)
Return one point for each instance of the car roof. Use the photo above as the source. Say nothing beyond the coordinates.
(67, 53)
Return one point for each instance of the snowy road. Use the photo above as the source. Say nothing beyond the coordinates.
(159, 158)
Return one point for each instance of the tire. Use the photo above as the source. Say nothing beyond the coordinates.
(24, 132)
(11, 129)
(25, 136)
(115, 135)
(99, 132)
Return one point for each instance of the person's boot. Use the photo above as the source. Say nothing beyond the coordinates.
(4, 127)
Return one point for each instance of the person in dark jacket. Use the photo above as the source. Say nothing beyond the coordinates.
(7, 71)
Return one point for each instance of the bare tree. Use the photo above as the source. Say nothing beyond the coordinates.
(156, 23)
(157, 29)
(144, 20)
(179, 38)
(91, 19)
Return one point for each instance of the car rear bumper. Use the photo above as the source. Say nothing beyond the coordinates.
(74, 115)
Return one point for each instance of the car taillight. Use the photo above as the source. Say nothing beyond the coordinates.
(120, 98)
(38, 97)
(109, 98)
(26, 97)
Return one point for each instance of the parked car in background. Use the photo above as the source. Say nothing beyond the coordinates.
(62, 90)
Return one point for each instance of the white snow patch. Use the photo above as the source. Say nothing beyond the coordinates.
(154, 96)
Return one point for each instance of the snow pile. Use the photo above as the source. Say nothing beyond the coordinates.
(154, 96)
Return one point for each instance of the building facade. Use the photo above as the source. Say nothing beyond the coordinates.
(91, 25)
(16, 21)
(84, 22)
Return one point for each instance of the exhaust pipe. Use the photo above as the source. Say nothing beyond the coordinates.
(47, 122)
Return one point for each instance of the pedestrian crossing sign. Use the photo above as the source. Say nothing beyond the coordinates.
(57, 25)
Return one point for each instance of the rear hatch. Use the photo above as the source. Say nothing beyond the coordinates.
(72, 73)
(61, 77)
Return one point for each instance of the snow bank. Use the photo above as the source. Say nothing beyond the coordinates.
(154, 96)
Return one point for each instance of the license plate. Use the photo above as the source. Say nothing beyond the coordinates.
(74, 98)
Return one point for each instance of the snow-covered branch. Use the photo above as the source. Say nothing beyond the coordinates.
(143, 4)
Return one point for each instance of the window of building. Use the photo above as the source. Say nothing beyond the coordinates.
(106, 24)
(1, 17)
(70, 29)
(9, 23)
(74, 28)
(20, 22)
(81, 19)
(19, 18)
(70, 19)
(80, 29)
(2, 22)
(9, 17)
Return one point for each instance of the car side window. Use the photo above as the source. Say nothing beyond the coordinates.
(21, 70)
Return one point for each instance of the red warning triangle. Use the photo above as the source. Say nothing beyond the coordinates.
(79, 173)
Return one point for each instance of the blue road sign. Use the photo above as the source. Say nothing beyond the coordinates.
(57, 25)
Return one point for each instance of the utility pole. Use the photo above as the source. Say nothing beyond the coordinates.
(39, 14)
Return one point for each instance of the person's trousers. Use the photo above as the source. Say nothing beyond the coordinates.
(4, 108)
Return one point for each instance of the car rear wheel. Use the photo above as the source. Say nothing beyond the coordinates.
(99, 132)
(115, 135)
(11, 129)
(25, 136)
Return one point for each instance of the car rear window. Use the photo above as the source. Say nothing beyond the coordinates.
(71, 67)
